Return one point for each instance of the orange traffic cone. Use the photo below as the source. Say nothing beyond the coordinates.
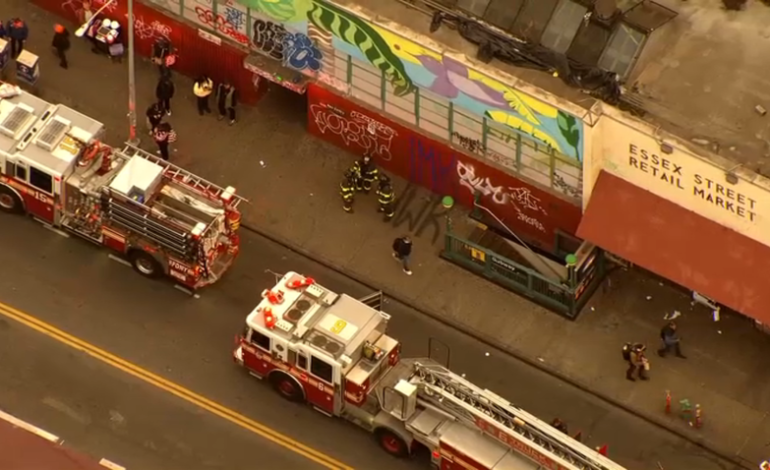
(668, 402)
(602, 450)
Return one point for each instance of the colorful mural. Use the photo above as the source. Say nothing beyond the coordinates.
(407, 65)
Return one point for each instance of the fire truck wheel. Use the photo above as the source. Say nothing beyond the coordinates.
(10, 202)
(392, 443)
(145, 264)
(287, 387)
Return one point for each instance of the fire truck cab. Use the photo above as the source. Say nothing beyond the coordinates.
(36, 155)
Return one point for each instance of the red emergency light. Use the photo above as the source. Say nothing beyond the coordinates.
(270, 320)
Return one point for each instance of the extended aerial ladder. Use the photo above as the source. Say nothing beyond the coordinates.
(497, 417)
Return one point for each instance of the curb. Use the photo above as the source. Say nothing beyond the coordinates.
(52, 438)
(495, 344)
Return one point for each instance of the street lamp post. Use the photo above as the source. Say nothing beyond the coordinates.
(132, 137)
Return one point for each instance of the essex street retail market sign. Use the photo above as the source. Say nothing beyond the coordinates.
(696, 185)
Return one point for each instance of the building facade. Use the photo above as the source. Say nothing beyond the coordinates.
(423, 112)
(678, 211)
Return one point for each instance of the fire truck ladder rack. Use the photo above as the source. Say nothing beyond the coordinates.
(180, 174)
(457, 396)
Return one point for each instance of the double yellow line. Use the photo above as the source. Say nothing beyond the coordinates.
(170, 387)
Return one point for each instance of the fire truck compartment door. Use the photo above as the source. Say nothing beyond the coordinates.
(515, 461)
(476, 446)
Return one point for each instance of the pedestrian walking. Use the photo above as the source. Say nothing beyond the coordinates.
(203, 88)
(670, 341)
(164, 135)
(347, 192)
(61, 44)
(164, 92)
(402, 250)
(386, 197)
(18, 32)
(367, 171)
(226, 101)
(154, 116)
(637, 361)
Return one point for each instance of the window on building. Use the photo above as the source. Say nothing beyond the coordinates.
(563, 26)
(533, 19)
(503, 13)
(624, 47)
(260, 340)
(321, 369)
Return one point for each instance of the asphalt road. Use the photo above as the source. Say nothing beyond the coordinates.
(76, 287)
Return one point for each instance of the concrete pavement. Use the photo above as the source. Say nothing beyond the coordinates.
(292, 178)
(102, 411)
(76, 287)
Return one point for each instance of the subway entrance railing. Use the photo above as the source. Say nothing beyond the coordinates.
(585, 271)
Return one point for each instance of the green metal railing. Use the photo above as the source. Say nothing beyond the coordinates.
(566, 299)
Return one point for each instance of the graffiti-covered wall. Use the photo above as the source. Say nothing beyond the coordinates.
(382, 67)
(535, 214)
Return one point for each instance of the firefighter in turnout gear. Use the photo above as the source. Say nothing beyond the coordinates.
(367, 173)
(386, 197)
(348, 191)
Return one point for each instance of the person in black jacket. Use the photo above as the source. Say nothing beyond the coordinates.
(164, 92)
(60, 44)
(154, 116)
(402, 250)
(226, 101)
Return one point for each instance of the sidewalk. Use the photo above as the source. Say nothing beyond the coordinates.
(292, 180)
(27, 446)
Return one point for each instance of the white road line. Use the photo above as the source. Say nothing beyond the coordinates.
(111, 465)
(119, 260)
(28, 427)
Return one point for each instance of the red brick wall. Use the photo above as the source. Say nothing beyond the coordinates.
(533, 213)
(196, 55)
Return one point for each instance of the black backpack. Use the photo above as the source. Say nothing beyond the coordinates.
(627, 351)
(397, 245)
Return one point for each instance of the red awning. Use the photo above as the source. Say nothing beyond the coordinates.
(679, 245)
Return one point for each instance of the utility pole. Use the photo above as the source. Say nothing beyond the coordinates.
(132, 137)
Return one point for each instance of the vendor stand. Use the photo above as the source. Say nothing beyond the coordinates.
(106, 36)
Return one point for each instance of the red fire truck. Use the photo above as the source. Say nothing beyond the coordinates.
(163, 219)
(332, 351)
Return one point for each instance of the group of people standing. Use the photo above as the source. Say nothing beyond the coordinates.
(360, 178)
(161, 131)
(225, 94)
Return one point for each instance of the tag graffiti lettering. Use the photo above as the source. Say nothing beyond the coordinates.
(373, 137)
(522, 198)
(220, 24)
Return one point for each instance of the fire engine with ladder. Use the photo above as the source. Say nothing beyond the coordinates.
(332, 351)
(161, 218)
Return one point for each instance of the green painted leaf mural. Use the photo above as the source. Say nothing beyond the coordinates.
(570, 130)
(358, 33)
(287, 11)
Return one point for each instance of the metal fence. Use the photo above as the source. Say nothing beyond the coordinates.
(565, 299)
